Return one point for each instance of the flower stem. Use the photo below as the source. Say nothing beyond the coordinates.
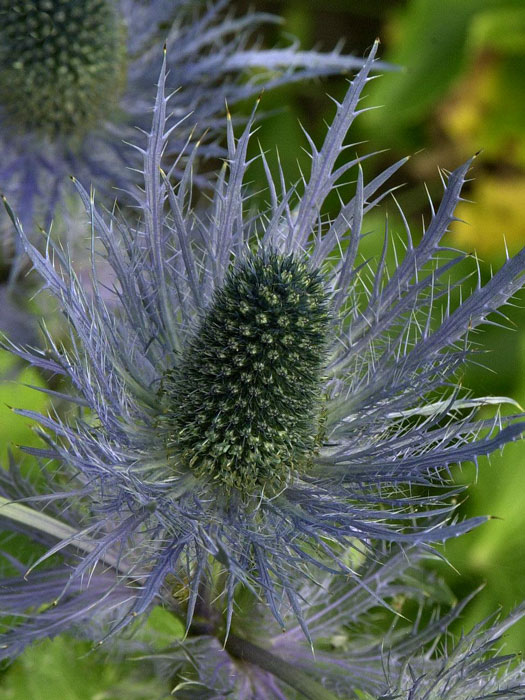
(246, 651)
(51, 526)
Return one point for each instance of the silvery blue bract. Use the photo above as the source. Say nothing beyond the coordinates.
(353, 652)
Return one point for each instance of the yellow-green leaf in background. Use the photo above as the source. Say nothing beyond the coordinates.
(486, 110)
(434, 45)
(15, 429)
(497, 218)
(502, 29)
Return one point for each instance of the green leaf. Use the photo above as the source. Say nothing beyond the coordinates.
(432, 46)
(64, 668)
(502, 30)
(161, 629)
(16, 430)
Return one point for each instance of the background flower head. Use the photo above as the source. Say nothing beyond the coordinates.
(77, 80)
(357, 363)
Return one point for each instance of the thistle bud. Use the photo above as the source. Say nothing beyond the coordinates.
(242, 407)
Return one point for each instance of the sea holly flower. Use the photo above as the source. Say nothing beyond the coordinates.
(254, 405)
(76, 81)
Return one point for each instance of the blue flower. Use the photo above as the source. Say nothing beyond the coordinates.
(260, 399)
(76, 82)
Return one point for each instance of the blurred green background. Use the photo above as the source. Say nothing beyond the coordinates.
(461, 90)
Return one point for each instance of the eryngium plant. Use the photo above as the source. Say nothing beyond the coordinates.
(361, 644)
(255, 404)
(76, 81)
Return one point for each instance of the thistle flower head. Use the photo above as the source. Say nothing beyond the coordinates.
(77, 80)
(60, 64)
(206, 450)
(250, 377)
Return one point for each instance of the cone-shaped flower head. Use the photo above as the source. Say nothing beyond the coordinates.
(77, 79)
(251, 377)
(260, 398)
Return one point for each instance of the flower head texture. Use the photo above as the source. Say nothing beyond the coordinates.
(260, 399)
(77, 80)
(257, 355)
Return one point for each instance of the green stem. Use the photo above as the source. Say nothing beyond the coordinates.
(246, 651)
(51, 526)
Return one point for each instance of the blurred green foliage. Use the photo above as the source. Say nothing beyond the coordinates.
(438, 43)
(69, 669)
(16, 430)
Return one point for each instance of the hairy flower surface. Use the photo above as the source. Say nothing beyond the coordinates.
(261, 399)
(251, 377)
(60, 64)
(76, 81)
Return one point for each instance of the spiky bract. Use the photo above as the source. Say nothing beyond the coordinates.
(60, 64)
(360, 651)
(242, 406)
(394, 418)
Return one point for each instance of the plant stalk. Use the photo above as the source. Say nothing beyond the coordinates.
(246, 651)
